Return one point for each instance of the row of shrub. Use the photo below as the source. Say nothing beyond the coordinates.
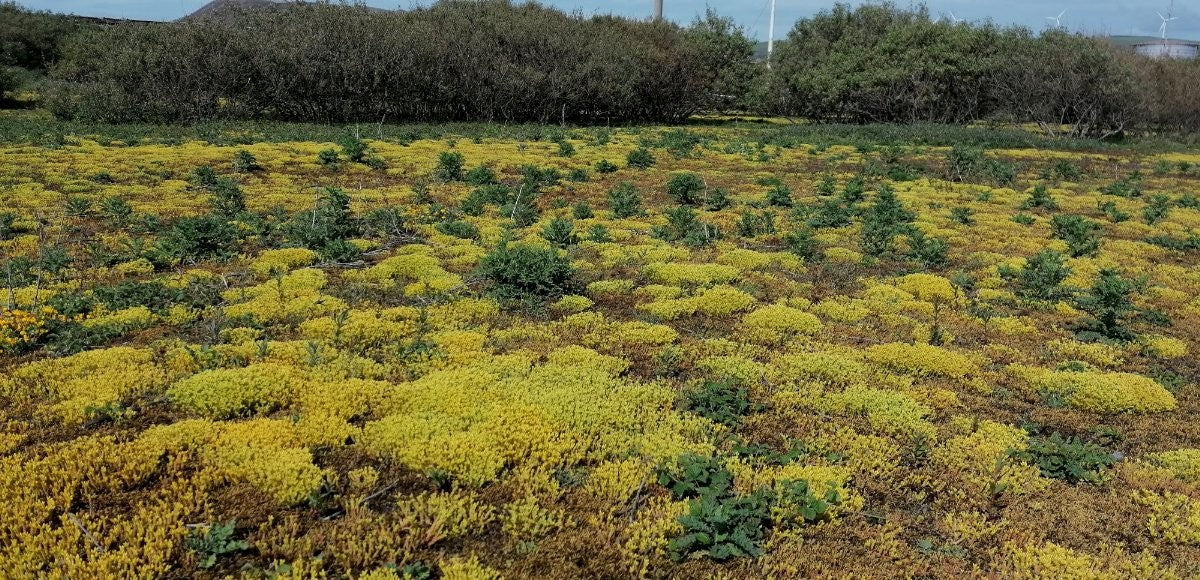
(879, 63)
(490, 61)
(495, 61)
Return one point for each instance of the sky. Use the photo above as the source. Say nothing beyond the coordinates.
(1091, 16)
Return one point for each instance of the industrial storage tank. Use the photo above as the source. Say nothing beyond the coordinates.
(1168, 49)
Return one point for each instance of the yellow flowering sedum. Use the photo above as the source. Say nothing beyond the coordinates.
(775, 322)
(76, 385)
(276, 262)
(1184, 463)
(222, 393)
(921, 359)
(1103, 392)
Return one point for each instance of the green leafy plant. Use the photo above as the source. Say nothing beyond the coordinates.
(1040, 197)
(604, 166)
(1157, 209)
(245, 162)
(212, 542)
(1110, 209)
(723, 402)
(481, 175)
(459, 229)
(1111, 309)
(1041, 276)
(780, 195)
(1069, 459)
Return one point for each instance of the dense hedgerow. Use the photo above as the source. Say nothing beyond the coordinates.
(526, 62)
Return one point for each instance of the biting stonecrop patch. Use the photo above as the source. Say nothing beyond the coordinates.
(501, 354)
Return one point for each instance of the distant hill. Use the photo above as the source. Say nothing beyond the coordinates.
(215, 8)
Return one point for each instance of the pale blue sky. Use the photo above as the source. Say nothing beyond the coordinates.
(1093, 16)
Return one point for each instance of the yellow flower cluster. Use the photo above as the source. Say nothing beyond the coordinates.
(827, 367)
(927, 287)
(1174, 517)
(74, 386)
(890, 412)
(414, 269)
(690, 274)
(1164, 347)
(921, 359)
(1184, 463)
(121, 321)
(774, 323)
(1051, 560)
(719, 300)
(223, 393)
(455, 514)
(472, 422)
(979, 464)
(264, 453)
(20, 328)
(1102, 392)
(293, 297)
(278, 262)
(525, 520)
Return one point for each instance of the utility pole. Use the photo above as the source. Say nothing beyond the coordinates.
(658, 10)
(770, 33)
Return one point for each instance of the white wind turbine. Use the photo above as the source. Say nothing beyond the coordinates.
(954, 19)
(1165, 20)
(1057, 19)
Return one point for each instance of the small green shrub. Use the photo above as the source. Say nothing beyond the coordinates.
(802, 243)
(1082, 235)
(1157, 209)
(624, 201)
(962, 215)
(1040, 198)
(686, 188)
(328, 158)
(582, 211)
(459, 229)
(640, 158)
(245, 162)
(560, 232)
(1041, 277)
(518, 271)
(227, 198)
(718, 199)
(353, 148)
(479, 176)
(930, 252)
(449, 166)
(1115, 215)
(780, 195)
(1129, 186)
(1111, 308)
(200, 238)
(604, 166)
(831, 213)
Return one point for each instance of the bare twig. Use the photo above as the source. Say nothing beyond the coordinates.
(86, 533)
